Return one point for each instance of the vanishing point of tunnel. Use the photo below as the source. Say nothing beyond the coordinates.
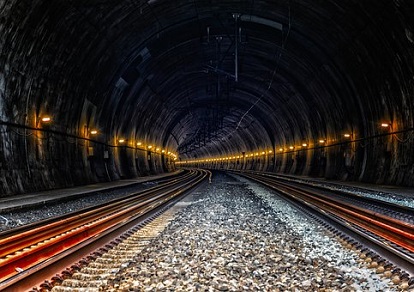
(101, 90)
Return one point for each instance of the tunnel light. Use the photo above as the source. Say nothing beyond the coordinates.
(270, 151)
(304, 145)
(385, 125)
(263, 153)
(291, 147)
(139, 143)
(94, 132)
(322, 141)
(162, 151)
(46, 119)
(347, 135)
(121, 140)
(149, 146)
(281, 149)
(158, 149)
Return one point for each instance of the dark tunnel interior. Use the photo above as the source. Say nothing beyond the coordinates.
(100, 90)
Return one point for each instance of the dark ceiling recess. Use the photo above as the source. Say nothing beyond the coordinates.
(216, 78)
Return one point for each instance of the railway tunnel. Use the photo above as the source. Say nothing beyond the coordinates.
(117, 117)
(101, 90)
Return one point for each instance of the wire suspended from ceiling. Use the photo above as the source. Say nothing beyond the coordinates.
(284, 41)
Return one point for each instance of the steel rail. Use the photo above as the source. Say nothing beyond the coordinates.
(59, 236)
(17, 239)
(404, 210)
(375, 225)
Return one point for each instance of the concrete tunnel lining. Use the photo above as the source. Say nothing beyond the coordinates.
(138, 70)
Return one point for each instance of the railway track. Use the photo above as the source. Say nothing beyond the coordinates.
(384, 228)
(34, 252)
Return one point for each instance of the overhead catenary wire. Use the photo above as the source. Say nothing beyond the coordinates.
(283, 45)
(275, 70)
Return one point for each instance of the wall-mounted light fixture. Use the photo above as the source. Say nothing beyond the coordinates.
(139, 143)
(121, 141)
(43, 120)
(46, 119)
(347, 135)
(94, 132)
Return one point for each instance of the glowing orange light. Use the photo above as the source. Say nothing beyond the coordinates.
(46, 119)
(94, 132)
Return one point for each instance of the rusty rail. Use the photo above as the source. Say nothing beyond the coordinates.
(24, 248)
(391, 230)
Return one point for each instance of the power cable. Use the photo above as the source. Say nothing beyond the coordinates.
(284, 41)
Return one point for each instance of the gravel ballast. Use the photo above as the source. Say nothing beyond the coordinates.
(393, 198)
(16, 218)
(238, 236)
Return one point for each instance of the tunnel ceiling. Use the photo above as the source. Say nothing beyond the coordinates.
(165, 72)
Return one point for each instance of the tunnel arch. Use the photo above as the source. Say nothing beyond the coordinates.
(136, 70)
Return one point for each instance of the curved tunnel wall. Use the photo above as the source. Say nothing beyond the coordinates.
(150, 73)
